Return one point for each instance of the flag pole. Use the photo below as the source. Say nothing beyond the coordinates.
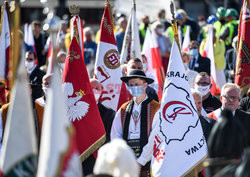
(134, 4)
(174, 25)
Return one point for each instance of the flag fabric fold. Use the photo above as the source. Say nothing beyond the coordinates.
(81, 105)
(76, 21)
(59, 155)
(186, 41)
(131, 42)
(242, 76)
(19, 149)
(217, 76)
(178, 141)
(5, 42)
(107, 66)
(151, 51)
(29, 40)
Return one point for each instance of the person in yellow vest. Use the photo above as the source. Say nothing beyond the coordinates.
(219, 59)
(134, 120)
(231, 28)
(220, 24)
(143, 28)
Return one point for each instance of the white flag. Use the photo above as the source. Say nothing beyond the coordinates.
(179, 143)
(107, 66)
(19, 149)
(131, 42)
(186, 41)
(58, 149)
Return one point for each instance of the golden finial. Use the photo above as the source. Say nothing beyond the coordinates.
(74, 10)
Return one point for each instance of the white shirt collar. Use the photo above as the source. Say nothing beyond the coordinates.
(29, 72)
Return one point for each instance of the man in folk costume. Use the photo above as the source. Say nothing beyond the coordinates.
(133, 121)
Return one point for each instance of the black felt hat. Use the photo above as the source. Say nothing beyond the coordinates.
(136, 73)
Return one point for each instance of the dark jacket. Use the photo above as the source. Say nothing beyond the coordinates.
(207, 125)
(202, 65)
(35, 79)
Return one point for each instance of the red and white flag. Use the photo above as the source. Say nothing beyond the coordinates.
(5, 42)
(155, 67)
(131, 42)
(19, 149)
(177, 141)
(186, 41)
(107, 66)
(50, 56)
(81, 105)
(59, 154)
(216, 76)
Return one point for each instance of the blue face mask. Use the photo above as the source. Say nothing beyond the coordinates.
(194, 52)
(136, 91)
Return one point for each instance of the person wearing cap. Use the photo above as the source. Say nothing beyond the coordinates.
(219, 25)
(134, 120)
(231, 28)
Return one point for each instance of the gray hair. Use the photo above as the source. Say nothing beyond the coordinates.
(229, 85)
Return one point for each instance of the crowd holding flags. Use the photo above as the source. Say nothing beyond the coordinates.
(242, 77)
(75, 122)
(5, 58)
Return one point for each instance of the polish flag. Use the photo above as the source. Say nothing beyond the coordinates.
(5, 42)
(186, 41)
(209, 52)
(151, 51)
(107, 66)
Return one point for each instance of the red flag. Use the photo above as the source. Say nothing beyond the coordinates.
(82, 108)
(242, 77)
(5, 52)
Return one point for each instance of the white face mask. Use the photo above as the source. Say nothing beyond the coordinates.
(203, 89)
(160, 30)
(62, 65)
(29, 65)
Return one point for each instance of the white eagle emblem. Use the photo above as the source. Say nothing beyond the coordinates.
(76, 109)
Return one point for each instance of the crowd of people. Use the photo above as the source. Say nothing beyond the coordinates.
(225, 118)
